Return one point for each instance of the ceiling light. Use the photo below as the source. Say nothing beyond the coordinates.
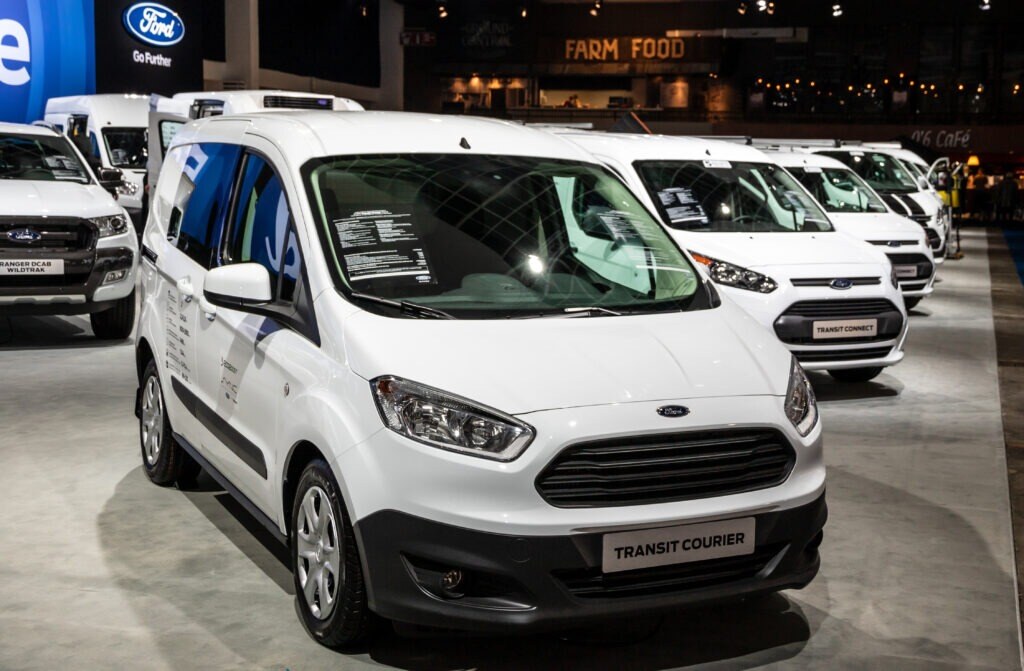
(985, 5)
(837, 10)
(442, 11)
(741, 9)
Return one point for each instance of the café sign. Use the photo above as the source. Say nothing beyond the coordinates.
(623, 49)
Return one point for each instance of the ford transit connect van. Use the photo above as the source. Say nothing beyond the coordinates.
(466, 376)
(833, 300)
(65, 246)
(854, 208)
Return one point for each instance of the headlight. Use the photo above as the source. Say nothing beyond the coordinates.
(801, 408)
(449, 422)
(735, 276)
(128, 189)
(112, 225)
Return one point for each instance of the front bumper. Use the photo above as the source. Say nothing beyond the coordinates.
(548, 582)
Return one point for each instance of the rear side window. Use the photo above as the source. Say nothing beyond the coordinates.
(262, 231)
(201, 201)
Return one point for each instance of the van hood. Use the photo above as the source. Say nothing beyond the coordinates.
(54, 199)
(760, 251)
(526, 365)
(878, 226)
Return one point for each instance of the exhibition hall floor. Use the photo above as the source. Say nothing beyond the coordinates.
(101, 569)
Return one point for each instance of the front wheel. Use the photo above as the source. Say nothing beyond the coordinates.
(328, 575)
(855, 374)
(164, 461)
(117, 321)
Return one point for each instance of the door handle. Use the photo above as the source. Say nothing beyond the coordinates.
(208, 308)
(185, 289)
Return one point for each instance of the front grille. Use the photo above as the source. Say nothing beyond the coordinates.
(299, 103)
(827, 281)
(894, 243)
(853, 307)
(55, 234)
(592, 584)
(676, 467)
(843, 355)
(39, 281)
(920, 261)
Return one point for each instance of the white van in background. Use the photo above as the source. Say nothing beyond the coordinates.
(167, 115)
(831, 299)
(110, 131)
(855, 209)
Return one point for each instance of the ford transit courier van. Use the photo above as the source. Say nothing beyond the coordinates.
(110, 130)
(832, 299)
(466, 376)
(854, 208)
(66, 247)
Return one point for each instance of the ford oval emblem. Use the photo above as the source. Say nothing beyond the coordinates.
(673, 411)
(894, 243)
(841, 283)
(152, 23)
(25, 235)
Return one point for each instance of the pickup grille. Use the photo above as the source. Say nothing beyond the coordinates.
(54, 234)
(675, 467)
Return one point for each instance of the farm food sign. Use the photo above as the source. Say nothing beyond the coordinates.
(623, 49)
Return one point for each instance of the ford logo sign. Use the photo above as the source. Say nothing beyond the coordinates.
(841, 283)
(894, 243)
(673, 411)
(152, 23)
(25, 235)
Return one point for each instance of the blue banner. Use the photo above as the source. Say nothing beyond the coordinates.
(47, 49)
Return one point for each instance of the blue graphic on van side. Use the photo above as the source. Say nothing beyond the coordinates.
(154, 24)
(47, 49)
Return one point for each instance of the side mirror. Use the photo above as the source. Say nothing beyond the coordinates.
(110, 179)
(238, 286)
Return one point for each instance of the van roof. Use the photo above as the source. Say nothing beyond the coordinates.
(634, 147)
(26, 129)
(302, 135)
(799, 159)
(107, 109)
(241, 102)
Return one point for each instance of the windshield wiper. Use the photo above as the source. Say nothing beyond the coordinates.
(592, 311)
(405, 306)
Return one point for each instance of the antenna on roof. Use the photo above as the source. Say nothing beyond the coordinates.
(464, 143)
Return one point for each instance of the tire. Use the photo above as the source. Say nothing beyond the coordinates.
(346, 620)
(165, 462)
(116, 322)
(911, 302)
(855, 374)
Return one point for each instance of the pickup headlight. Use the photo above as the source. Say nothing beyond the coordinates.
(449, 422)
(112, 225)
(128, 188)
(801, 407)
(735, 276)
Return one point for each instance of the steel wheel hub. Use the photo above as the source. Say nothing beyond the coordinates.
(318, 548)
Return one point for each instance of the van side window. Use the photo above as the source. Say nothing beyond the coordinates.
(262, 230)
(200, 204)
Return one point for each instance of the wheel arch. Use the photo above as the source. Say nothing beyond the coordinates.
(301, 454)
(143, 353)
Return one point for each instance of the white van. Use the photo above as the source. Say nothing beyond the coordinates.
(167, 115)
(855, 209)
(466, 376)
(110, 130)
(66, 247)
(832, 299)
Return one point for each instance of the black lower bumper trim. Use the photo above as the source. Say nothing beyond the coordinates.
(545, 582)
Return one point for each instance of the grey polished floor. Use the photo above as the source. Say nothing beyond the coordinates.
(101, 570)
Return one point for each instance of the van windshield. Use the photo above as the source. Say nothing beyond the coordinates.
(39, 158)
(730, 197)
(838, 189)
(126, 147)
(884, 173)
(495, 236)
